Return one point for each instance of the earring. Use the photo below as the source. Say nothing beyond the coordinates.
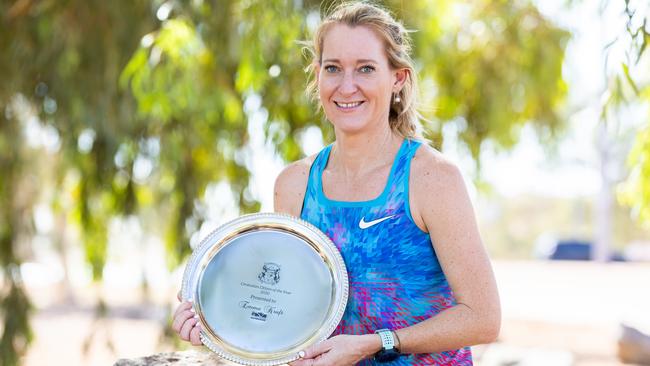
(397, 99)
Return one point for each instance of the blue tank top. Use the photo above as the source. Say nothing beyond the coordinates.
(394, 275)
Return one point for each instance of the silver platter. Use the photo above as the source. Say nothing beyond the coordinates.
(266, 286)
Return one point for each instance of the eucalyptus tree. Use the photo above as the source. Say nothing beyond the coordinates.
(635, 191)
(59, 63)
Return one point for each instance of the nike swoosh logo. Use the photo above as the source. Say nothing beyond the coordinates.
(364, 225)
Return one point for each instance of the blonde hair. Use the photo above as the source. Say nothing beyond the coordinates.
(403, 117)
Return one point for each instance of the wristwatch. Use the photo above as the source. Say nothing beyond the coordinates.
(388, 351)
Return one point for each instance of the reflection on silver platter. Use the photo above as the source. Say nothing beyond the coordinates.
(265, 286)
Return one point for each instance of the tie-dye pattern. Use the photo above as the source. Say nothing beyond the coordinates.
(395, 277)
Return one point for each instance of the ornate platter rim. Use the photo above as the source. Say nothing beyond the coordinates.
(221, 237)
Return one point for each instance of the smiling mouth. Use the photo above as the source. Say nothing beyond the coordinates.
(351, 105)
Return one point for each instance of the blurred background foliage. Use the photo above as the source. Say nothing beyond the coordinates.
(635, 191)
(142, 104)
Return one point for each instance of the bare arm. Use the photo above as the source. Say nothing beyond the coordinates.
(441, 204)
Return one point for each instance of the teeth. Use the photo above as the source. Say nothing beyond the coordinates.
(348, 105)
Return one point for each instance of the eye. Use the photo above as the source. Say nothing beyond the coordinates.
(331, 69)
(367, 69)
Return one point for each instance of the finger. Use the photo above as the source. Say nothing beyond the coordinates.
(317, 349)
(323, 360)
(178, 295)
(195, 335)
(181, 318)
(187, 327)
(302, 362)
(182, 307)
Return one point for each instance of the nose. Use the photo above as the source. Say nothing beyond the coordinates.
(348, 84)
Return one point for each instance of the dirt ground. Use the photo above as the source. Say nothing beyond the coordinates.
(554, 313)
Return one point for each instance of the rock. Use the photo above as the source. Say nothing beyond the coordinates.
(633, 346)
(184, 358)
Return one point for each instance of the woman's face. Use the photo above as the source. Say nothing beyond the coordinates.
(355, 81)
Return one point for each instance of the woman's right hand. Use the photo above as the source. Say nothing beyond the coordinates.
(186, 323)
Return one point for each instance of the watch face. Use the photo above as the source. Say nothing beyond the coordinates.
(387, 355)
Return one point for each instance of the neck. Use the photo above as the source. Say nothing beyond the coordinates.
(359, 153)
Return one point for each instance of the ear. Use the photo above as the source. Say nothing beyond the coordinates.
(399, 79)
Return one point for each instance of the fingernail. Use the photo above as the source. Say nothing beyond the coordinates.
(301, 354)
(196, 316)
(192, 310)
(191, 300)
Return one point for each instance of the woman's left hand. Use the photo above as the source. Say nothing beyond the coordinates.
(340, 350)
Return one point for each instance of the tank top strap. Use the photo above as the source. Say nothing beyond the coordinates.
(399, 183)
(315, 174)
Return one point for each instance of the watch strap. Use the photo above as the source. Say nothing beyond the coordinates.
(388, 351)
(387, 338)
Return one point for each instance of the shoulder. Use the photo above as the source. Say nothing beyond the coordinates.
(436, 185)
(294, 173)
(431, 169)
(290, 186)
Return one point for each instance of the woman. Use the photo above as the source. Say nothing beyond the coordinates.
(397, 209)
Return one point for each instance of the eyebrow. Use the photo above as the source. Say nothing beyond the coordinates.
(361, 61)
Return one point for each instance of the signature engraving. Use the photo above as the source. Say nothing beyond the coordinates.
(247, 305)
(273, 310)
